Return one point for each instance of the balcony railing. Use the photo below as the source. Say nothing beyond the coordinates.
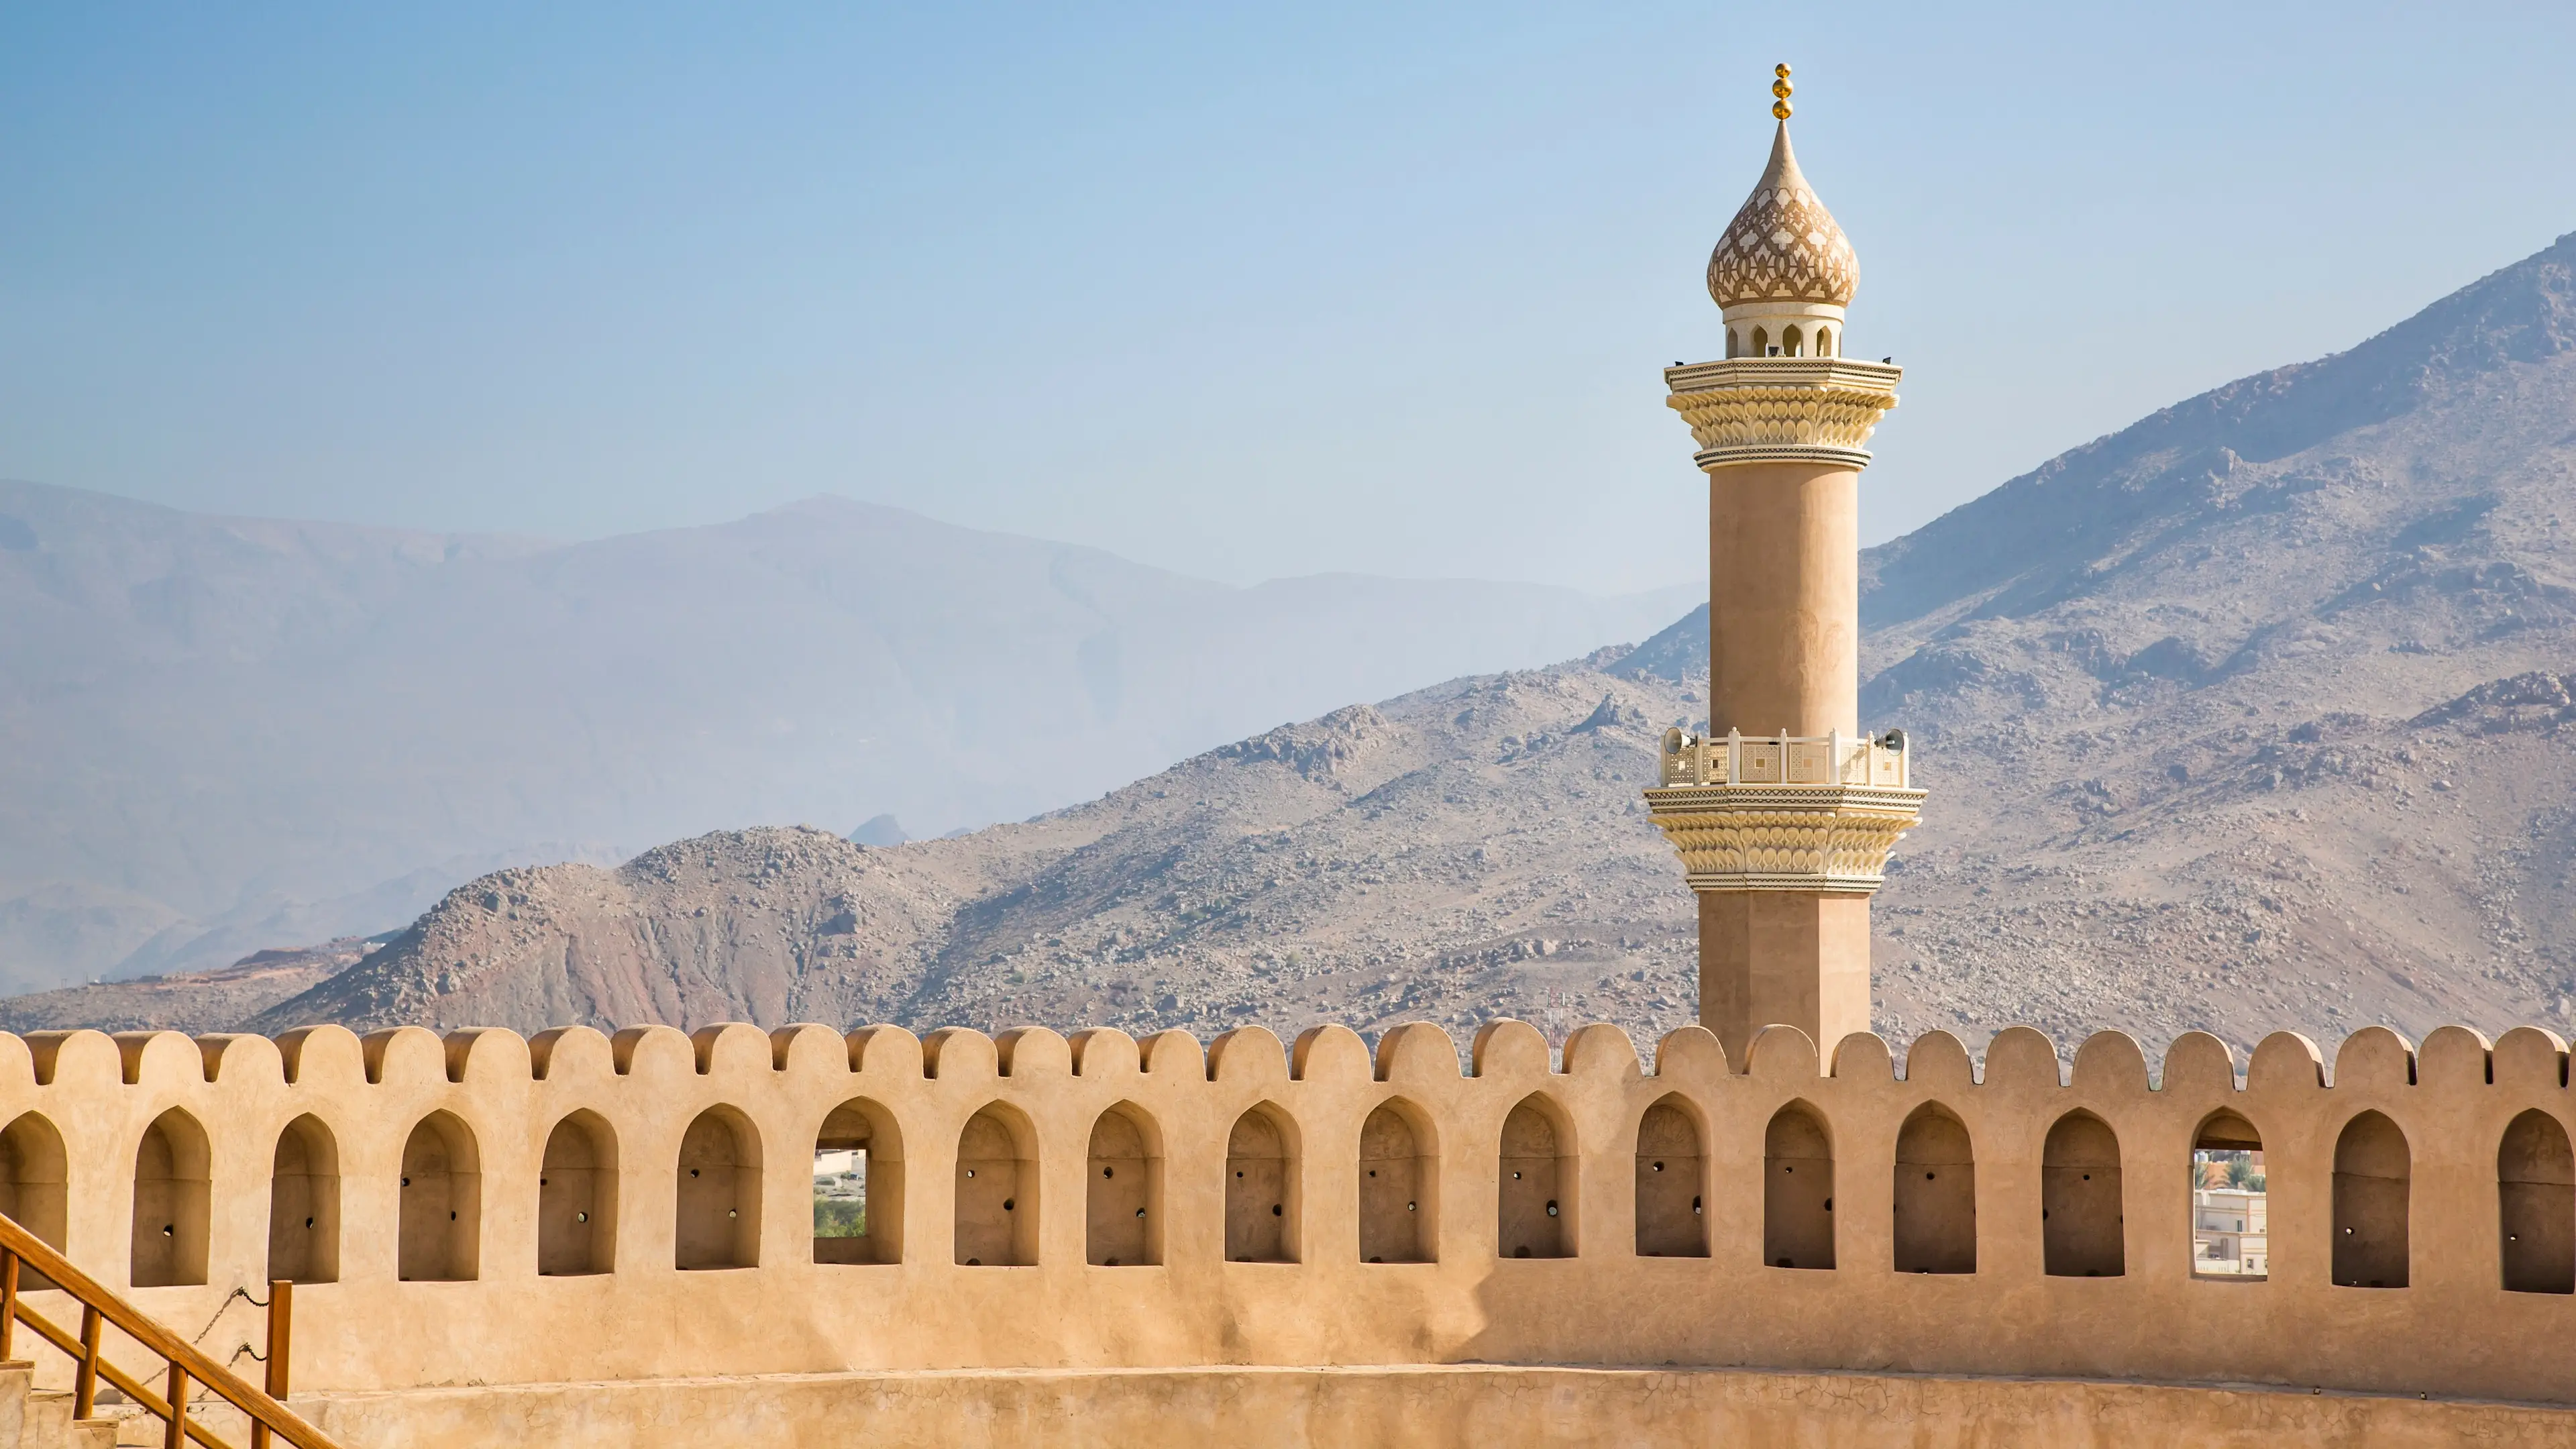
(1822, 760)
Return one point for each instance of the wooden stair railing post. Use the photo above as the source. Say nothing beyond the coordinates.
(8, 1304)
(85, 1383)
(174, 1434)
(281, 1330)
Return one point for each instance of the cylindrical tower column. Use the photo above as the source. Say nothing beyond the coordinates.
(1784, 812)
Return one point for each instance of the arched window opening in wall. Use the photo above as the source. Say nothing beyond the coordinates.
(2230, 1203)
(2536, 1205)
(1535, 1207)
(1761, 343)
(2372, 1179)
(2082, 1231)
(1399, 1187)
(1261, 1188)
(997, 1190)
(1734, 344)
(1790, 343)
(441, 1228)
(304, 1204)
(1672, 1219)
(718, 1225)
(858, 1186)
(1824, 342)
(1936, 1193)
(171, 1196)
(34, 1184)
(577, 1198)
(1797, 1190)
(1122, 1208)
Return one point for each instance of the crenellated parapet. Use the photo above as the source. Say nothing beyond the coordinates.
(490, 1203)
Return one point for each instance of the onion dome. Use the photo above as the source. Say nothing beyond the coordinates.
(1783, 246)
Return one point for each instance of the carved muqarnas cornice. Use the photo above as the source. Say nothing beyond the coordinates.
(1782, 409)
(1785, 837)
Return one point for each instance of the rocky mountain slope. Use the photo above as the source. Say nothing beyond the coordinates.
(2255, 715)
(218, 734)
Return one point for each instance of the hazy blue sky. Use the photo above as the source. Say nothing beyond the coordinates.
(1240, 291)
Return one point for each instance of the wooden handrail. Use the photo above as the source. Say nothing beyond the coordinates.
(187, 1363)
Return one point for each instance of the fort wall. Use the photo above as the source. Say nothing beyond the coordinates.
(481, 1209)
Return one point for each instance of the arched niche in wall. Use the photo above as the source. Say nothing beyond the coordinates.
(858, 1185)
(1824, 342)
(2230, 1201)
(1534, 1208)
(1797, 1190)
(441, 1217)
(1672, 1172)
(2536, 1205)
(997, 1190)
(2083, 1233)
(35, 1177)
(172, 1194)
(1399, 1186)
(1261, 1182)
(718, 1223)
(304, 1204)
(1936, 1193)
(577, 1198)
(2372, 1182)
(1123, 1195)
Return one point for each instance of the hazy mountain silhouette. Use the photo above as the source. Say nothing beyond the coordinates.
(220, 734)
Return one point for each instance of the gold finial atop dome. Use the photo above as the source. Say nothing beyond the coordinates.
(1783, 246)
(1780, 88)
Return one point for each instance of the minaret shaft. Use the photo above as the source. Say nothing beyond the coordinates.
(1784, 599)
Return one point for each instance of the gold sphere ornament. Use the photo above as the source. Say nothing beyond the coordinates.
(1781, 88)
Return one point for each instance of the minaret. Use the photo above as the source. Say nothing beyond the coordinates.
(1784, 814)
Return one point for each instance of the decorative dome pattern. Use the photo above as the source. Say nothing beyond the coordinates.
(1783, 246)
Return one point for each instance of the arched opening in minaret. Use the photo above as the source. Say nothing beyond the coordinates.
(2231, 1233)
(1671, 1183)
(2536, 1205)
(1536, 1205)
(1824, 342)
(1761, 343)
(1399, 1186)
(2081, 1228)
(1789, 342)
(1734, 343)
(2372, 1177)
(1797, 1190)
(1260, 1187)
(1123, 1221)
(1936, 1194)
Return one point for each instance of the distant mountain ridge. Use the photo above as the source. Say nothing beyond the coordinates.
(217, 734)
